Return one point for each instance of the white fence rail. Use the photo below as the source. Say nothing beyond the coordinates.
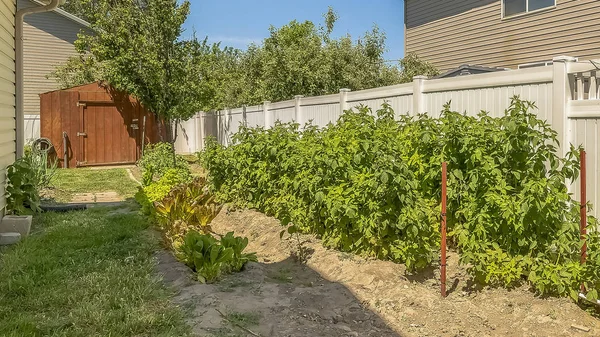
(567, 95)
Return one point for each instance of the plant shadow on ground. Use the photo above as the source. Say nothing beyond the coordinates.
(284, 298)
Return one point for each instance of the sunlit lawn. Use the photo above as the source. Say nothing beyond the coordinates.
(87, 273)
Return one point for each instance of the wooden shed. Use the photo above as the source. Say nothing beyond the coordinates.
(99, 125)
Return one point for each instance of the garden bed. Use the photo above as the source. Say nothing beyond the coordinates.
(340, 294)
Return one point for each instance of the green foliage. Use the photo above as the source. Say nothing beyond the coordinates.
(204, 255)
(158, 190)
(300, 58)
(136, 52)
(237, 244)
(157, 160)
(346, 183)
(87, 273)
(21, 188)
(138, 49)
(187, 207)
(44, 169)
(413, 66)
(370, 183)
(210, 257)
(78, 70)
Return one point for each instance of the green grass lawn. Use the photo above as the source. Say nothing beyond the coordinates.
(87, 273)
(67, 182)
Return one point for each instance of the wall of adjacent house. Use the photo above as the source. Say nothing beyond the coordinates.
(48, 41)
(455, 32)
(7, 91)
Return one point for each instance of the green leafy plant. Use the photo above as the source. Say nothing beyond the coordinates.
(189, 206)
(158, 160)
(204, 255)
(157, 190)
(43, 167)
(21, 188)
(172, 177)
(238, 244)
(370, 184)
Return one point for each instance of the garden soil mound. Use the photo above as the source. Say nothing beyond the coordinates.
(340, 294)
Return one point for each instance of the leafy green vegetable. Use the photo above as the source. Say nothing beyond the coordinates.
(189, 206)
(204, 255)
(238, 244)
(210, 257)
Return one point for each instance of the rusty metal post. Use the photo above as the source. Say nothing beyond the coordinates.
(443, 254)
(583, 210)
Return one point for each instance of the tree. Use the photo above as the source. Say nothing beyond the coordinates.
(301, 58)
(413, 66)
(78, 70)
(91, 10)
(139, 50)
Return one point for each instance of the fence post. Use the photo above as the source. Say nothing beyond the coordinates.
(344, 100)
(201, 134)
(267, 114)
(561, 95)
(298, 116)
(418, 106)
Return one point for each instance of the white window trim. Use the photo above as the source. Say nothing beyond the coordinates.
(526, 12)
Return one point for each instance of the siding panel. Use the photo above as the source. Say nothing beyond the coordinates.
(459, 32)
(48, 42)
(7, 92)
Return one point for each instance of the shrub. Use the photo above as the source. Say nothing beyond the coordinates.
(21, 188)
(187, 207)
(157, 160)
(370, 184)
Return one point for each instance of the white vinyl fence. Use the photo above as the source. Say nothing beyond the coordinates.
(567, 95)
(32, 128)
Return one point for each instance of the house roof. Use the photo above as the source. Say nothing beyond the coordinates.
(65, 14)
(469, 69)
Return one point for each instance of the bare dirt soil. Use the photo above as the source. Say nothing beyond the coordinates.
(339, 294)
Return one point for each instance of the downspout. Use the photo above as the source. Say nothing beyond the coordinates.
(19, 19)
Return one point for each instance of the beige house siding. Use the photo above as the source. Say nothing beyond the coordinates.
(7, 91)
(48, 40)
(450, 33)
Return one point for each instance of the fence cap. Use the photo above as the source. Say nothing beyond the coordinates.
(420, 77)
(345, 90)
(564, 58)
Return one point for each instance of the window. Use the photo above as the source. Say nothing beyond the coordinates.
(513, 7)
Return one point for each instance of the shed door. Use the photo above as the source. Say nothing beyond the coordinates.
(110, 134)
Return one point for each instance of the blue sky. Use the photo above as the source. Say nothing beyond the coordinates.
(237, 23)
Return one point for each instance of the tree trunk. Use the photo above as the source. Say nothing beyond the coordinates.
(171, 139)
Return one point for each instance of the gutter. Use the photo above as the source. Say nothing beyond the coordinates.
(19, 19)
